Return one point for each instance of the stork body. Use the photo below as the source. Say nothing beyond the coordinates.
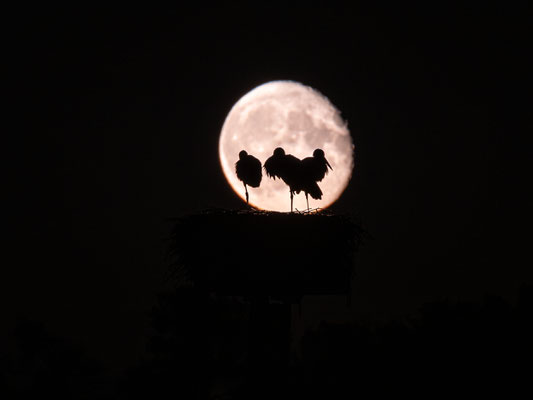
(248, 170)
(286, 167)
(299, 175)
(313, 170)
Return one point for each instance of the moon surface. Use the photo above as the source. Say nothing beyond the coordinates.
(298, 118)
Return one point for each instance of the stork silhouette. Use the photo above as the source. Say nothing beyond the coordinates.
(313, 170)
(248, 170)
(299, 175)
(286, 167)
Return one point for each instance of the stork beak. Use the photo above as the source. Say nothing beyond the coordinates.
(328, 164)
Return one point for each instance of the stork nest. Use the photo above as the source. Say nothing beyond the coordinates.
(250, 252)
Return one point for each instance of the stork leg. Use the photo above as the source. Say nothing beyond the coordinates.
(307, 199)
(246, 191)
(292, 196)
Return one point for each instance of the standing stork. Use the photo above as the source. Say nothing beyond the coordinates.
(286, 167)
(248, 170)
(313, 170)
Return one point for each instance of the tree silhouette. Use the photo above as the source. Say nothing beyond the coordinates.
(197, 346)
(448, 346)
(46, 365)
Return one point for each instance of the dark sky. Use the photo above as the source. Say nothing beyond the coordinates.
(116, 116)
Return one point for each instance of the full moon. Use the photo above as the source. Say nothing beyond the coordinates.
(298, 118)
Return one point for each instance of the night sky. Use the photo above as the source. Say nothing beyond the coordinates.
(116, 117)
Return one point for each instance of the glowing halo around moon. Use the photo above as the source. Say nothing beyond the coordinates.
(298, 118)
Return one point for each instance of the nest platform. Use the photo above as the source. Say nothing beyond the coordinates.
(254, 253)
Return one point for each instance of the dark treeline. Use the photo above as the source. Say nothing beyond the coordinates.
(449, 347)
(197, 348)
(43, 364)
